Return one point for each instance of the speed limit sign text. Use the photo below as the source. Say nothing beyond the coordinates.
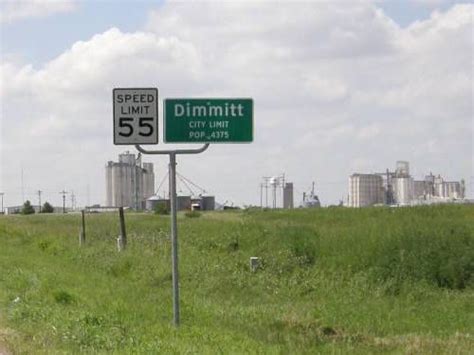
(135, 116)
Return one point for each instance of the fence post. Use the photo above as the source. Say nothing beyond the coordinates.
(82, 234)
(122, 239)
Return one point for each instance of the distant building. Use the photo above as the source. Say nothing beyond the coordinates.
(128, 183)
(365, 190)
(399, 188)
(311, 200)
(435, 188)
(12, 209)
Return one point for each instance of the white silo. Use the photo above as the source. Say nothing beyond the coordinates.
(439, 187)
(403, 188)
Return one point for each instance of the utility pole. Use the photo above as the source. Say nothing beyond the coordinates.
(22, 187)
(39, 200)
(73, 200)
(88, 194)
(265, 182)
(64, 200)
(1, 194)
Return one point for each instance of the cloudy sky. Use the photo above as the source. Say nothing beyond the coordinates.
(338, 87)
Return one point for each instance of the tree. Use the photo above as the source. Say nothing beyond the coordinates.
(27, 208)
(47, 208)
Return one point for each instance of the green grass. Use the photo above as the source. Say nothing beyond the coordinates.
(331, 281)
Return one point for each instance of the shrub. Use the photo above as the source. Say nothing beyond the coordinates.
(27, 208)
(47, 208)
(302, 243)
(161, 208)
(442, 256)
(192, 214)
(63, 297)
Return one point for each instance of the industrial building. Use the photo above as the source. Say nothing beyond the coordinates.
(399, 188)
(128, 182)
(435, 188)
(311, 200)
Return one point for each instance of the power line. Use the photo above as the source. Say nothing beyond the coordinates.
(161, 183)
(192, 183)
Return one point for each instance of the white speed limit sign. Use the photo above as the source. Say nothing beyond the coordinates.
(135, 116)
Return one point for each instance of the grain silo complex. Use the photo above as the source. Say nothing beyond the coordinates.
(189, 196)
(128, 182)
(400, 189)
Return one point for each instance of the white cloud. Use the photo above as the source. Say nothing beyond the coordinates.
(16, 10)
(336, 87)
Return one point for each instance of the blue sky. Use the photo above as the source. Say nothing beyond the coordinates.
(38, 40)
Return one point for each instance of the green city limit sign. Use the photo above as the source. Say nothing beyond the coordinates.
(208, 120)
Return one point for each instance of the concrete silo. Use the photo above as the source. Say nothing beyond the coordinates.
(365, 190)
(403, 188)
(288, 201)
(128, 184)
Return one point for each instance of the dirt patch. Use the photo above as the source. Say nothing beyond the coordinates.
(3, 350)
(4, 333)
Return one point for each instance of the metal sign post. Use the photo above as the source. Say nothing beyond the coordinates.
(174, 224)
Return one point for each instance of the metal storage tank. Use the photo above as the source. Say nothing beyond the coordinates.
(208, 203)
(183, 203)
